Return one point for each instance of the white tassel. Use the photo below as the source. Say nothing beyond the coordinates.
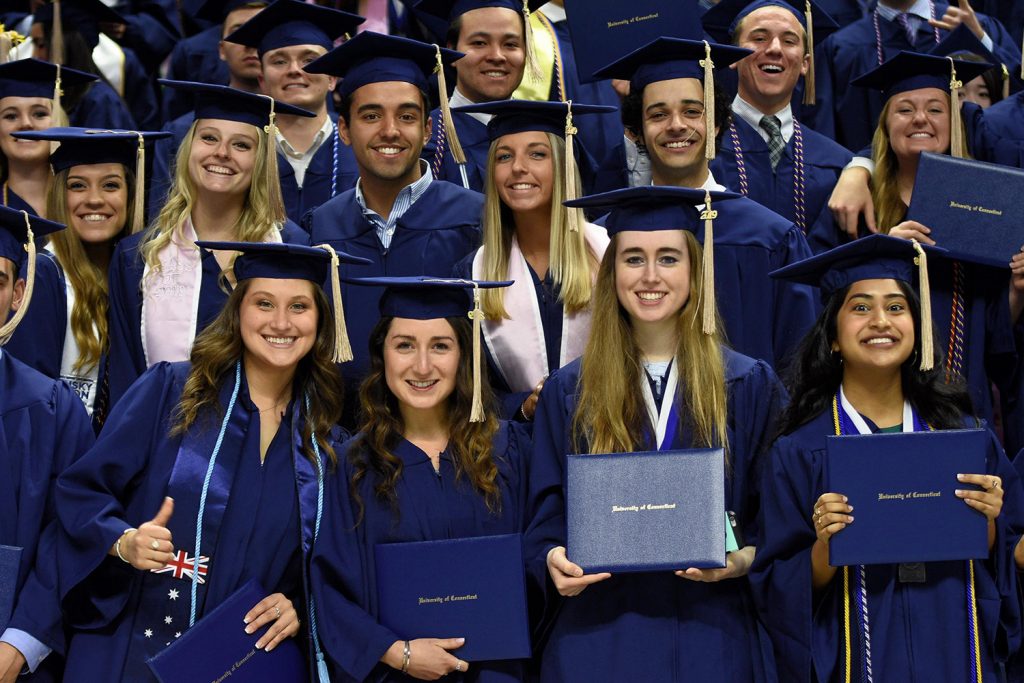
(477, 315)
(708, 310)
(709, 102)
(810, 92)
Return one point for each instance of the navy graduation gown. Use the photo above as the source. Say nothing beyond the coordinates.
(140, 94)
(849, 114)
(14, 201)
(919, 630)
(153, 27)
(120, 615)
(431, 506)
(1003, 126)
(101, 107)
(653, 626)
(196, 58)
(441, 227)
(823, 161)
(43, 429)
(127, 357)
(322, 181)
(475, 143)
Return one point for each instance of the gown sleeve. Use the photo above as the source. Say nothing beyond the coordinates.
(126, 358)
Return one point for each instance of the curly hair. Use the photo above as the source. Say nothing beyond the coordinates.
(633, 114)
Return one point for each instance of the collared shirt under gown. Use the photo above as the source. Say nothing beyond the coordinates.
(919, 630)
(653, 626)
(431, 505)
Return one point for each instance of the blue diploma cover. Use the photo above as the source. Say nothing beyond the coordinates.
(902, 489)
(971, 207)
(472, 588)
(10, 560)
(655, 511)
(217, 648)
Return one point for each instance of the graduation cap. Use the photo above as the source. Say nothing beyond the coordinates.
(914, 70)
(218, 10)
(85, 16)
(35, 78)
(961, 43)
(666, 58)
(722, 20)
(518, 116)
(451, 10)
(18, 233)
(283, 261)
(84, 146)
(875, 257)
(427, 298)
(653, 208)
(285, 23)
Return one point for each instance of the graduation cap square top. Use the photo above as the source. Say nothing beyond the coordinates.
(285, 23)
(84, 146)
(84, 16)
(451, 10)
(35, 78)
(518, 116)
(222, 102)
(218, 10)
(377, 58)
(722, 20)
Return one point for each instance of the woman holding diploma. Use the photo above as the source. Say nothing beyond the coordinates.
(868, 366)
(655, 358)
(430, 462)
(207, 475)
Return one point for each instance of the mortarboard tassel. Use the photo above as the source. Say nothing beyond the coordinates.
(927, 342)
(57, 36)
(709, 102)
(957, 145)
(7, 331)
(572, 191)
(271, 148)
(708, 286)
(446, 112)
(532, 64)
(810, 92)
(342, 347)
(477, 315)
(8, 41)
(1006, 81)
(139, 212)
(1022, 62)
(57, 112)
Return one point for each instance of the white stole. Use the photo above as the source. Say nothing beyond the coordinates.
(862, 426)
(109, 59)
(659, 420)
(517, 344)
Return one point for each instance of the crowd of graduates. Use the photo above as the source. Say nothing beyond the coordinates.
(287, 281)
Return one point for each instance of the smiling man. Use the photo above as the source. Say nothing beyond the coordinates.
(766, 154)
(288, 35)
(398, 216)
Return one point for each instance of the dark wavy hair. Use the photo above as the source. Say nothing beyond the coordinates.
(217, 349)
(633, 114)
(815, 373)
(381, 425)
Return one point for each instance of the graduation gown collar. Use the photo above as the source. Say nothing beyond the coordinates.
(858, 422)
(438, 208)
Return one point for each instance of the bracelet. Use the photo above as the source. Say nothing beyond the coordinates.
(117, 545)
(406, 655)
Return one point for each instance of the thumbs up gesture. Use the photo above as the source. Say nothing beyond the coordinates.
(149, 546)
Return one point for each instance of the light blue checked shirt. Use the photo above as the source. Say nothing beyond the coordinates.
(408, 195)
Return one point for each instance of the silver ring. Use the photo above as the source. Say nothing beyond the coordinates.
(458, 666)
(278, 609)
(154, 544)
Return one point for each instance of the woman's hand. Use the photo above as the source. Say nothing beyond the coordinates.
(529, 406)
(149, 546)
(851, 198)
(737, 564)
(429, 658)
(912, 230)
(274, 608)
(988, 501)
(569, 578)
(831, 515)
(1017, 285)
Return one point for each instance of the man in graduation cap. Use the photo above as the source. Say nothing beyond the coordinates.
(399, 216)
(766, 154)
(495, 37)
(45, 428)
(288, 35)
(673, 110)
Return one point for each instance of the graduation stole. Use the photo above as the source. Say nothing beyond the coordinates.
(517, 344)
(846, 420)
(666, 421)
(799, 193)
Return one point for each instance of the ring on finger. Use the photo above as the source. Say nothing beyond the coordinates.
(458, 666)
(154, 544)
(277, 612)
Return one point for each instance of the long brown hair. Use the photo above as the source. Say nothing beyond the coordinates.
(381, 425)
(610, 415)
(89, 282)
(219, 347)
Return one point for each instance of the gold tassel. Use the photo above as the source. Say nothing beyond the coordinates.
(1006, 81)
(342, 347)
(1022, 61)
(532, 64)
(7, 331)
(139, 213)
(446, 112)
(572, 190)
(810, 92)
(58, 109)
(709, 102)
(708, 286)
(57, 36)
(927, 342)
(477, 315)
(958, 147)
(8, 41)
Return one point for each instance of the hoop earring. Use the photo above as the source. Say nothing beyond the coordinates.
(914, 358)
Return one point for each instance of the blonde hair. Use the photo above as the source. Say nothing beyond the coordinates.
(885, 192)
(262, 211)
(88, 318)
(610, 415)
(572, 263)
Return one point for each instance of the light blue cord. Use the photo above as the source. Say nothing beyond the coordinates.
(334, 165)
(206, 488)
(321, 665)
